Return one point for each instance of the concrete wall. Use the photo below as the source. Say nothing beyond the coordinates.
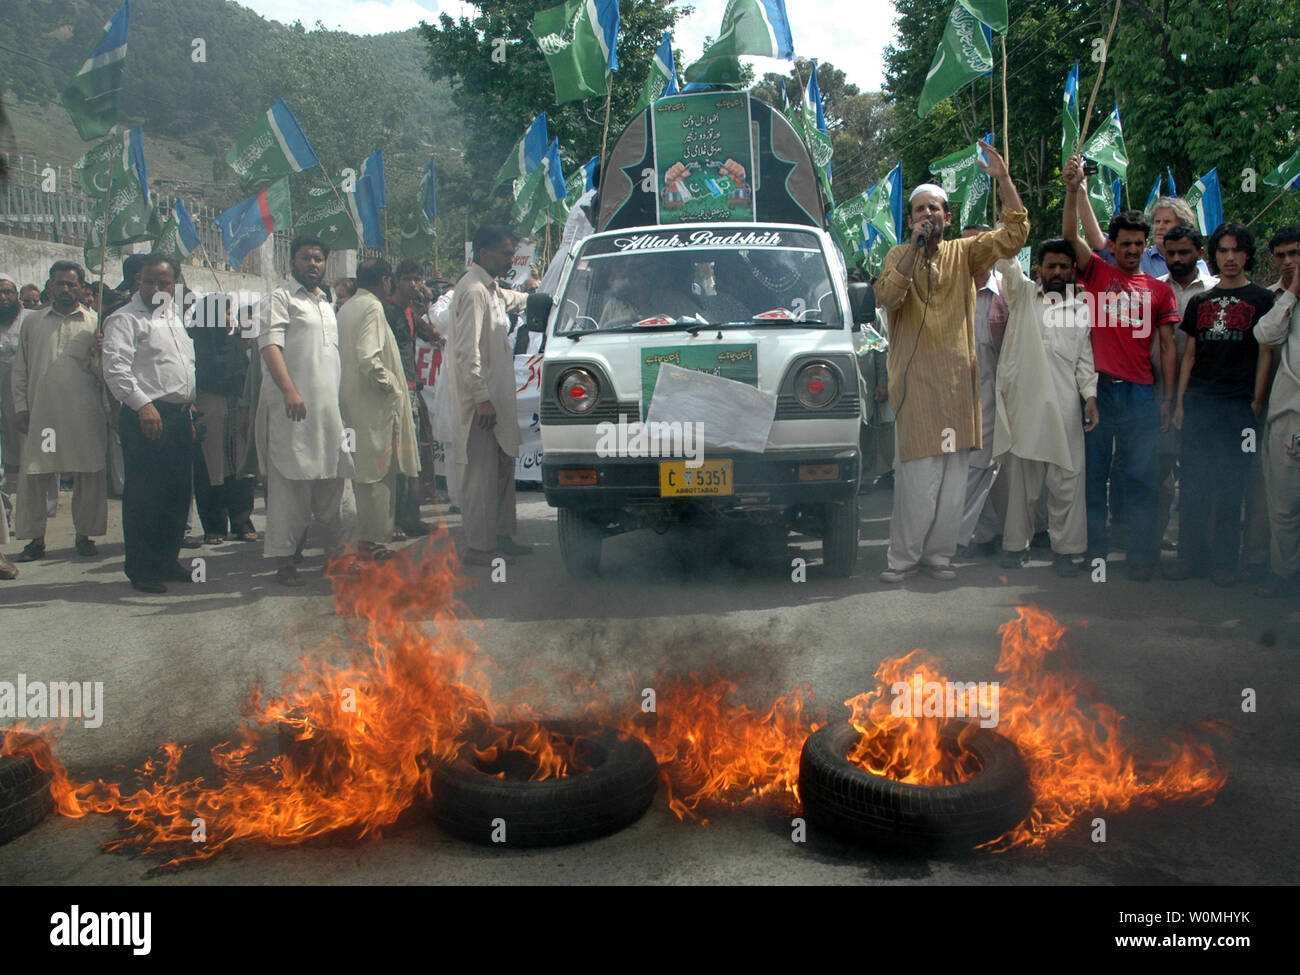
(28, 262)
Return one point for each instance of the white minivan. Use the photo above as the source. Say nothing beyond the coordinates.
(759, 306)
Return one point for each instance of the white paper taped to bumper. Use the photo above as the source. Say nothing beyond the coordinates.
(732, 415)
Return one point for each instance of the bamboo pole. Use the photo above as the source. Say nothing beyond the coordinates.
(1101, 70)
(211, 267)
(1006, 116)
(1266, 207)
(604, 138)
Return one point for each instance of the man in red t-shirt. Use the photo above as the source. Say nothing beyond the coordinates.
(1129, 309)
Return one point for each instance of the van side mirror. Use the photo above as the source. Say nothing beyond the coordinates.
(862, 304)
(537, 311)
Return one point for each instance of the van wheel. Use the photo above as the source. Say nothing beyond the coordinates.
(840, 538)
(579, 544)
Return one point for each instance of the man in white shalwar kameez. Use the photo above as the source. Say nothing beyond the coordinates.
(375, 405)
(59, 406)
(483, 416)
(1044, 370)
(300, 441)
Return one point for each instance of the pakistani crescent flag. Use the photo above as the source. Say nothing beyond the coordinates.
(129, 216)
(963, 56)
(246, 225)
(418, 229)
(1286, 176)
(579, 41)
(755, 27)
(92, 95)
(527, 153)
(662, 79)
(179, 237)
(968, 186)
(1070, 116)
(95, 168)
(328, 215)
(1106, 147)
(1206, 199)
(272, 147)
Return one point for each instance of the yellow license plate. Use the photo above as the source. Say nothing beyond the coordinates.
(711, 477)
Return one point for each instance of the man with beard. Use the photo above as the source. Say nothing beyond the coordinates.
(58, 404)
(30, 296)
(149, 369)
(1045, 367)
(300, 443)
(928, 289)
(1187, 278)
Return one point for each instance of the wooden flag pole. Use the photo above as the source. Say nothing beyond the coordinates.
(1101, 70)
(1006, 116)
(103, 250)
(211, 267)
(604, 138)
(1266, 206)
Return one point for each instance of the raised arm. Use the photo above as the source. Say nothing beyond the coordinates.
(1070, 220)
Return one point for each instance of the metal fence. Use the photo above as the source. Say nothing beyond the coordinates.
(45, 201)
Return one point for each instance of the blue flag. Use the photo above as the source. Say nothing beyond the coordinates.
(555, 187)
(895, 181)
(1117, 191)
(1173, 187)
(589, 168)
(373, 170)
(527, 154)
(1154, 195)
(365, 198)
(1207, 200)
(246, 225)
(91, 95)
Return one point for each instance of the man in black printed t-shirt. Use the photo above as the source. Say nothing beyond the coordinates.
(1222, 386)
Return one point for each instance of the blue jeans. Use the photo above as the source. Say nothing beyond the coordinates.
(1130, 423)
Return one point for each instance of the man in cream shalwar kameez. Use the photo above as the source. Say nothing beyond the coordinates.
(59, 404)
(375, 405)
(1045, 367)
(484, 423)
(299, 432)
(929, 291)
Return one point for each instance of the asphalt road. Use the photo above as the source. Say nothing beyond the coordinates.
(180, 667)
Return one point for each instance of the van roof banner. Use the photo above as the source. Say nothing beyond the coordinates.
(709, 156)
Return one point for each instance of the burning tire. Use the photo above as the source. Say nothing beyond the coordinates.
(580, 541)
(24, 793)
(858, 806)
(470, 802)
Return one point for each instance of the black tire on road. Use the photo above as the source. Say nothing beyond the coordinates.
(840, 538)
(471, 804)
(580, 541)
(24, 795)
(845, 800)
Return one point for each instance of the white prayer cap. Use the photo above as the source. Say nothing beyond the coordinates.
(8, 277)
(934, 188)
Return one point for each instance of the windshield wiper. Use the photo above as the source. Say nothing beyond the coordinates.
(760, 323)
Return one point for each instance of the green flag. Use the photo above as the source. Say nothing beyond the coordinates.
(578, 40)
(968, 186)
(91, 95)
(327, 215)
(1101, 194)
(1106, 147)
(1286, 176)
(962, 57)
(419, 232)
(1070, 116)
(93, 167)
(758, 27)
(529, 197)
(130, 216)
(272, 147)
(820, 147)
(991, 12)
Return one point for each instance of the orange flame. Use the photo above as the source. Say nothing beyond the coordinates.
(360, 728)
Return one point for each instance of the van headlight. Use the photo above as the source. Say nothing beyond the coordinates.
(817, 385)
(578, 391)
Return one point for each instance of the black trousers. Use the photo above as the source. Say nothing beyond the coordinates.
(226, 508)
(156, 497)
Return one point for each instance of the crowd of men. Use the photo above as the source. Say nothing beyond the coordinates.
(313, 393)
(1138, 365)
(1077, 403)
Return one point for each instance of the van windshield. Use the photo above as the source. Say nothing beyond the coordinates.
(665, 278)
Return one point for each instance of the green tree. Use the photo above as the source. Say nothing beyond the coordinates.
(500, 83)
